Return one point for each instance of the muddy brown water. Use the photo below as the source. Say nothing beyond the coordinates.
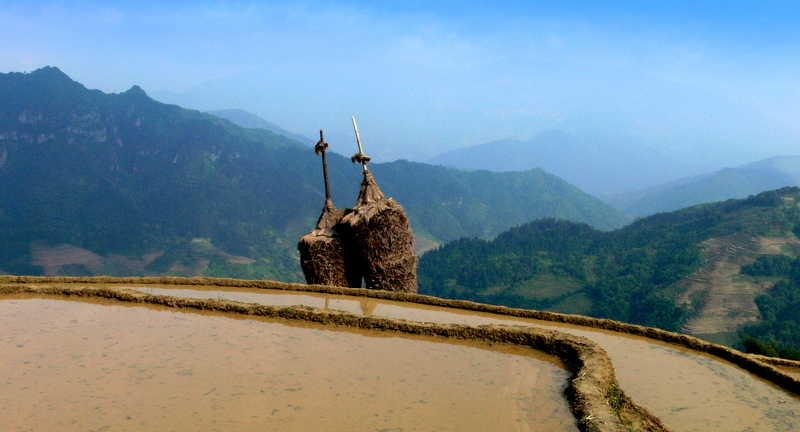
(792, 371)
(83, 364)
(690, 391)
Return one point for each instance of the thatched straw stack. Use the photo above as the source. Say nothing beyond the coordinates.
(323, 253)
(383, 239)
(326, 257)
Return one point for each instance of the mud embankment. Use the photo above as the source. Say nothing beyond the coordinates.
(593, 392)
(764, 368)
(780, 372)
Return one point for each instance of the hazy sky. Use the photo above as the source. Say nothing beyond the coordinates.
(717, 82)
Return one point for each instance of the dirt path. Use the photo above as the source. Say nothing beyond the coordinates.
(723, 299)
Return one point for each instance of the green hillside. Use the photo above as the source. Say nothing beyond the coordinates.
(633, 274)
(450, 204)
(119, 184)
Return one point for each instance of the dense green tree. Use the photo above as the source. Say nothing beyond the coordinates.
(779, 326)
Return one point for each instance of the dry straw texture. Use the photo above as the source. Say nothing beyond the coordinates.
(373, 241)
(324, 255)
(383, 240)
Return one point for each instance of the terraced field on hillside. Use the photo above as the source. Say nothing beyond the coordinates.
(723, 299)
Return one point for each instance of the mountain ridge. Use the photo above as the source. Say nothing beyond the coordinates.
(249, 120)
(124, 174)
(597, 164)
(728, 183)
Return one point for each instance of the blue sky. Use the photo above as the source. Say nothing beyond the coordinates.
(717, 83)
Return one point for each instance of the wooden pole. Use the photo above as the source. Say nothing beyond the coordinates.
(360, 156)
(320, 149)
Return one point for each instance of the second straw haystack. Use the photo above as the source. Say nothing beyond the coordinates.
(381, 234)
(383, 240)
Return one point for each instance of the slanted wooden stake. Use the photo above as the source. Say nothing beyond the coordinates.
(360, 156)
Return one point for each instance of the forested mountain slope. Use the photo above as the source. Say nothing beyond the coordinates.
(634, 274)
(777, 333)
(119, 184)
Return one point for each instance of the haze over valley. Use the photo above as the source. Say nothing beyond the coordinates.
(698, 88)
(636, 182)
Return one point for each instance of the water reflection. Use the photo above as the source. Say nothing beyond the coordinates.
(98, 365)
(357, 305)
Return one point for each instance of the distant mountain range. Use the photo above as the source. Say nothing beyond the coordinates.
(728, 183)
(598, 165)
(119, 184)
(632, 179)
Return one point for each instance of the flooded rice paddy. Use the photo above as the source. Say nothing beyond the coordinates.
(90, 364)
(790, 370)
(690, 391)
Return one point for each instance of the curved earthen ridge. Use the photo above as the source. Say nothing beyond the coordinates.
(593, 392)
(758, 365)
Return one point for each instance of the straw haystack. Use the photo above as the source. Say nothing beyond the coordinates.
(325, 256)
(383, 240)
(322, 251)
(373, 240)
